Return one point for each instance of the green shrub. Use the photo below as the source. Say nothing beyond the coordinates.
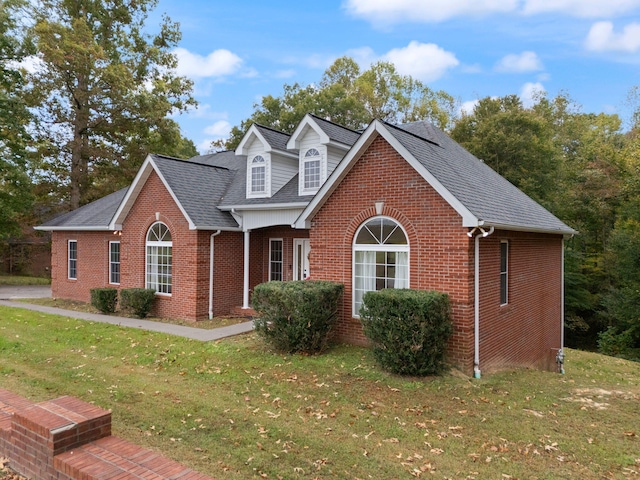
(409, 329)
(137, 300)
(296, 316)
(104, 299)
(615, 343)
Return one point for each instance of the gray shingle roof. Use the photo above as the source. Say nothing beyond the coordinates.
(336, 132)
(95, 215)
(199, 187)
(277, 140)
(487, 195)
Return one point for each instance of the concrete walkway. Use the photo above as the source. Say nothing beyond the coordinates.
(204, 335)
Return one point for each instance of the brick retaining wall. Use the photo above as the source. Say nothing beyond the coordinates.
(68, 439)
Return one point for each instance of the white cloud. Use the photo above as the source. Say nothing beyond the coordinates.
(520, 63)
(602, 38)
(385, 12)
(220, 129)
(424, 61)
(468, 107)
(285, 73)
(218, 63)
(530, 93)
(581, 8)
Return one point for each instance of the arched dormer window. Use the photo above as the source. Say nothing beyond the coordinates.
(380, 258)
(159, 258)
(311, 169)
(258, 175)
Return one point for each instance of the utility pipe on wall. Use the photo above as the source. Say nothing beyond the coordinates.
(211, 258)
(476, 280)
(245, 290)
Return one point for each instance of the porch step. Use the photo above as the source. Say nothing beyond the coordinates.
(243, 312)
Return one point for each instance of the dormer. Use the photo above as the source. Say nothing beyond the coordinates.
(269, 164)
(321, 145)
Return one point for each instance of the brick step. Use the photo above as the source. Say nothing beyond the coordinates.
(243, 312)
(113, 457)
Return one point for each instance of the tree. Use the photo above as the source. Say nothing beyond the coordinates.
(352, 98)
(15, 185)
(102, 94)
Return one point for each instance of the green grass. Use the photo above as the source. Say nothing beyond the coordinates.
(17, 280)
(235, 410)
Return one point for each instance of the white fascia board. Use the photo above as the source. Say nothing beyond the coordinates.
(300, 131)
(132, 193)
(222, 229)
(528, 229)
(338, 174)
(101, 228)
(468, 218)
(134, 190)
(265, 206)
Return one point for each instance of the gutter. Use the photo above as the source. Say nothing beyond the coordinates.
(211, 262)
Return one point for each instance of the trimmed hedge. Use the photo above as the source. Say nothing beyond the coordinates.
(296, 316)
(104, 299)
(137, 300)
(409, 329)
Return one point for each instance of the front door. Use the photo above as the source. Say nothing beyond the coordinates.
(301, 248)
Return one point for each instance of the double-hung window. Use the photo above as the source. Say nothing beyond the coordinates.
(159, 259)
(72, 256)
(114, 263)
(380, 258)
(311, 169)
(504, 272)
(258, 175)
(275, 259)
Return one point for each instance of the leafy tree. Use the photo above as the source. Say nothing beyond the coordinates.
(102, 93)
(352, 98)
(15, 185)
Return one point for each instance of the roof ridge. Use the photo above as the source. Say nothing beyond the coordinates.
(397, 127)
(334, 123)
(191, 162)
(271, 128)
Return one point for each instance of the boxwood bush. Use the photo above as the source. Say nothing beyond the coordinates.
(296, 316)
(137, 300)
(409, 329)
(104, 299)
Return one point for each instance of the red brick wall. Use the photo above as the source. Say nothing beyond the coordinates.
(260, 252)
(92, 265)
(440, 250)
(527, 330)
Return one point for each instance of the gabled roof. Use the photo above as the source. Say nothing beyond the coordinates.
(270, 138)
(473, 189)
(93, 216)
(330, 133)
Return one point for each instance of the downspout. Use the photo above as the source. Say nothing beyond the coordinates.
(560, 354)
(211, 258)
(476, 320)
(245, 288)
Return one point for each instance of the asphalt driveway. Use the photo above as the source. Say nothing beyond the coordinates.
(8, 292)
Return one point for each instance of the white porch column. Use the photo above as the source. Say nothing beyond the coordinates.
(245, 292)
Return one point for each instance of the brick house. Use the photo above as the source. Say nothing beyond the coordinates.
(389, 207)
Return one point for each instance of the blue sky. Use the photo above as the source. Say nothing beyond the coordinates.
(236, 52)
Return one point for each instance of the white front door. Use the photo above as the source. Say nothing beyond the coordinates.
(301, 248)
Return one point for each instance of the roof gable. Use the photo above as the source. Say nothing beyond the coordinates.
(474, 190)
(330, 133)
(271, 140)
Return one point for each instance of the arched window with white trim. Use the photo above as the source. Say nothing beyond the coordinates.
(258, 175)
(380, 258)
(312, 169)
(159, 258)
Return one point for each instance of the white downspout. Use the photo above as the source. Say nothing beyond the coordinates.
(211, 258)
(560, 354)
(476, 320)
(245, 290)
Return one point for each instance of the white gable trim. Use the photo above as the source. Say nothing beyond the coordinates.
(242, 147)
(375, 129)
(300, 131)
(136, 187)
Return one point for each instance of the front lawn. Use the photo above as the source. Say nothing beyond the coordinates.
(234, 410)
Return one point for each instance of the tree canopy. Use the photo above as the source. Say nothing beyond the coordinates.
(101, 94)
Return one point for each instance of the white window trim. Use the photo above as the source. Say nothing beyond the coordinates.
(505, 273)
(271, 240)
(322, 158)
(267, 176)
(376, 248)
(146, 257)
(111, 282)
(69, 242)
